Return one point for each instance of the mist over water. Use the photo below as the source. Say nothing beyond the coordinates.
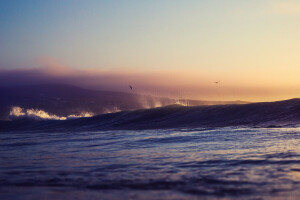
(17, 112)
(223, 163)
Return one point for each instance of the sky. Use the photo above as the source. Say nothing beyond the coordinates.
(165, 48)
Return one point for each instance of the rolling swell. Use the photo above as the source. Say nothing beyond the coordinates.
(220, 163)
(267, 114)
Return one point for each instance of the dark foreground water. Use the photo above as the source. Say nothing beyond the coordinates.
(227, 163)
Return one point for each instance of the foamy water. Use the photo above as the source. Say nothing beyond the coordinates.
(227, 163)
(18, 112)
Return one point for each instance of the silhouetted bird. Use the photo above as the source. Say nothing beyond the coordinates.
(130, 87)
(217, 82)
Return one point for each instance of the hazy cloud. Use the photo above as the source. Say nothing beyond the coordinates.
(194, 84)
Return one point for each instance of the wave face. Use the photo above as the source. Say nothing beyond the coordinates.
(281, 113)
(222, 163)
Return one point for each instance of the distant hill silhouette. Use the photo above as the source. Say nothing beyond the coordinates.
(64, 100)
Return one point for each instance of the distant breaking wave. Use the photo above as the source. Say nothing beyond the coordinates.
(266, 114)
(18, 112)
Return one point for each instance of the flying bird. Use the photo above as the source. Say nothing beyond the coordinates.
(130, 87)
(216, 82)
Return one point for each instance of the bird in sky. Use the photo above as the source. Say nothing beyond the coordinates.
(216, 82)
(130, 87)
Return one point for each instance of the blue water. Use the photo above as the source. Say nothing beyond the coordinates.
(225, 163)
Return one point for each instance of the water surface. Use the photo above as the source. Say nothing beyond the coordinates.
(225, 163)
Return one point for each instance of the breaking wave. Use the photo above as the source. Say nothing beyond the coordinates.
(268, 114)
(18, 112)
(112, 110)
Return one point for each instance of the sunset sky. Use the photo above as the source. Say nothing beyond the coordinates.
(165, 48)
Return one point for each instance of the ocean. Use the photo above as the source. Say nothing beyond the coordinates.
(189, 163)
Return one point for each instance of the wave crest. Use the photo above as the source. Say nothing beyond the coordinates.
(18, 112)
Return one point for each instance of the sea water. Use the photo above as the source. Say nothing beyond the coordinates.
(223, 163)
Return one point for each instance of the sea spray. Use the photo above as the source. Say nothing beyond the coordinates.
(17, 112)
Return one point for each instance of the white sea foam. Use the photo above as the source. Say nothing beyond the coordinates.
(18, 112)
(112, 110)
(182, 102)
